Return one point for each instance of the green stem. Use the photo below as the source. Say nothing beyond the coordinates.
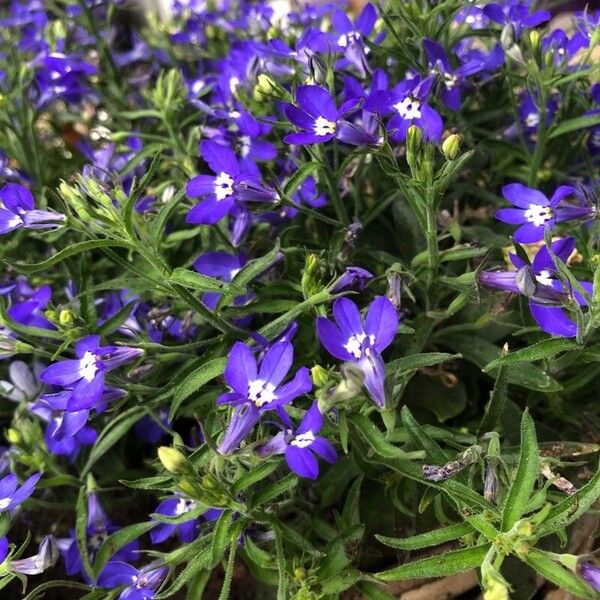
(540, 144)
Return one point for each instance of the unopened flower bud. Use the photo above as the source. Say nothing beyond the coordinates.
(65, 318)
(414, 141)
(319, 376)
(311, 276)
(451, 146)
(13, 436)
(173, 460)
(317, 68)
(534, 39)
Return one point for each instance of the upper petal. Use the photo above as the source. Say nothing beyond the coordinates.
(381, 322)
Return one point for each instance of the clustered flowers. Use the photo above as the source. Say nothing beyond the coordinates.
(191, 171)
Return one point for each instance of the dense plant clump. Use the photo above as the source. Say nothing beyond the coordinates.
(298, 302)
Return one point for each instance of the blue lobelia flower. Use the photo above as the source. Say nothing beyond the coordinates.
(407, 104)
(17, 210)
(188, 528)
(516, 14)
(11, 495)
(452, 80)
(140, 584)
(98, 528)
(539, 282)
(300, 446)
(256, 388)
(320, 120)
(221, 191)
(352, 340)
(349, 37)
(85, 374)
(535, 212)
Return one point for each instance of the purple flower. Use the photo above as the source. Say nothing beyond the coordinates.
(300, 446)
(28, 305)
(188, 528)
(535, 212)
(540, 283)
(349, 36)
(221, 190)
(352, 340)
(591, 573)
(85, 374)
(515, 14)
(320, 121)
(407, 103)
(257, 389)
(451, 79)
(353, 278)
(45, 558)
(61, 76)
(141, 584)
(529, 113)
(17, 210)
(11, 496)
(98, 528)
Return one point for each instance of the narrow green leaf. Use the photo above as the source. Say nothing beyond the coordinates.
(71, 250)
(195, 380)
(111, 325)
(429, 539)
(222, 537)
(495, 407)
(48, 585)
(299, 176)
(158, 225)
(81, 511)
(375, 437)
(413, 362)
(434, 452)
(574, 125)
(557, 574)
(256, 474)
(275, 489)
(541, 350)
(527, 473)
(373, 591)
(449, 563)
(111, 434)
(202, 283)
(247, 274)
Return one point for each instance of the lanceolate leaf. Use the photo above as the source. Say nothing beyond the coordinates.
(449, 563)
(557, 574)
(429, 539)
(527, 473)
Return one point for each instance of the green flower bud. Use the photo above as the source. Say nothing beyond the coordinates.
(173, 460)
(451, 146)
(311, 276)
(319, 376)
(65, 318)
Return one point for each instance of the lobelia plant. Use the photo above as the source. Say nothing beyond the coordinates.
(298, 301)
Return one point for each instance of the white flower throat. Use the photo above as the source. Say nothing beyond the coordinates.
(538, 215)
(354, 345)
(324, 127)
(409, 108)
(223, 186)
(303, 440)
(88, 366)
(261, 392)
